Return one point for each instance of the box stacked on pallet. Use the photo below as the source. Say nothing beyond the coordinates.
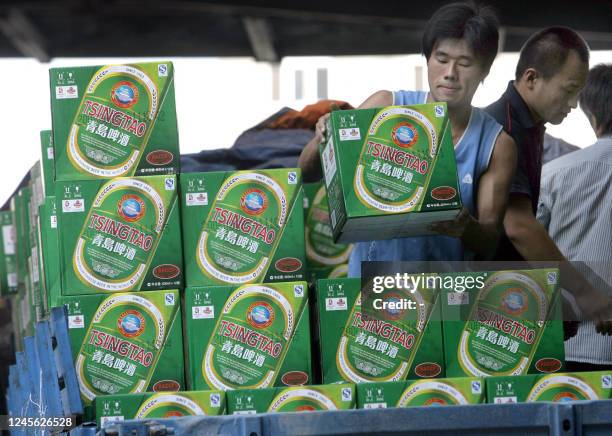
(400, 344)
(111, 227)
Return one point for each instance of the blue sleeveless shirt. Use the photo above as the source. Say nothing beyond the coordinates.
(473, 153)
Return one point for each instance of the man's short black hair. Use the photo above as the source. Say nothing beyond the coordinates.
(477, 25)
(546, 51)
(596, 97)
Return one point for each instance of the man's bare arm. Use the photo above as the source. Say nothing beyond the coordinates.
(482, 236)
(310, 162)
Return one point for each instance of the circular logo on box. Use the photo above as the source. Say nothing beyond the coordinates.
(260, 314)
(254, 201)
(443, 193)
(124, 94)
(548, 365)
(404, 135)
(288, 264)
(131, 207)
(428, 369)
(396, 312)
(562, 397)
(514, 301)
(435, 401)
(131, 323)
(160, 157)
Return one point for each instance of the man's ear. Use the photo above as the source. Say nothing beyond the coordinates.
(530, 77)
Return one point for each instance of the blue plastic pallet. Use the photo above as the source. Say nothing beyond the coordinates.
(486, 419)
(43, 381)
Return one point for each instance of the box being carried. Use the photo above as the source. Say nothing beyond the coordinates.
(243, 227)
(551, 387)
(296, 399)
(126, 343)
(389, 172)
(437, 392)
(508, 323)
(116, 408)
(8, 253)
(250, 336)
(119, 235)
(114, 121)
(400, 344)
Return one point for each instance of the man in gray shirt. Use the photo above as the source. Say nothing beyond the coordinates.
(575, 207)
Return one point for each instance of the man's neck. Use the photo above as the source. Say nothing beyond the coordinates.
(524, 93)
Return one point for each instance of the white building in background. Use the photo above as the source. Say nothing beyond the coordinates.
(218, 98)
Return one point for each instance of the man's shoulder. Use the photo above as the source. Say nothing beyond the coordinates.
(567, 161)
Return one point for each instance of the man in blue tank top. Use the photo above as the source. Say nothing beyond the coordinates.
(460, 43)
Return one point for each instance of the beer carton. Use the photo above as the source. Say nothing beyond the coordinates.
(555, 388)
(355, 347)
(114, 121)
(116, 408)
(436, 392)
(126, 342)
(50, 258)
(295, 399)
(8, 251)
(21, 218)
(119, 235)
(510, 324)
(250, 227)
(249, 336)
(389, 172)
(48, 162)
(324, 259)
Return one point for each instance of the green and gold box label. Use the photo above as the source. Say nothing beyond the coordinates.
(426, 392)
(126, 342)
(324, 258)
(357, 347)
(513, 325)
(396, 162)
(114, 121)
(116, 408)
(120, 235)
(250, 227)
(560, 387)
(295, 399)
(251, 336)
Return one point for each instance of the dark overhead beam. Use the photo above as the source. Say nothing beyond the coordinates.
(24, 35)
(261, 38)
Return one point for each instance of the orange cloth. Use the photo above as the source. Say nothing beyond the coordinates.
(306, 118)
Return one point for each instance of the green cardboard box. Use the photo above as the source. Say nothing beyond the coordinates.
(389, 172)
(294, 399)
(324, 259)
(559, 387)
(358, 348)
(249, 224)
(48, 162)
(8, 253)
(126, 342)
(119, 235)
(116, 408)
(435, 392)
(510, 324)
(249, 336)
(114, 121)
(51, 258)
